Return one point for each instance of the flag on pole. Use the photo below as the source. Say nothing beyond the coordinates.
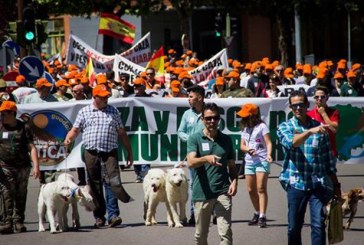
(114, 26)
(90, 74)
(157, 62)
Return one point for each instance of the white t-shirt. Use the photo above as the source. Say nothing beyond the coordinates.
(254, 139)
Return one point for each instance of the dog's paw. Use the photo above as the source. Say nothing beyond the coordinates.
(170, 224)
(147, 223)
(178, 225)
(53, 231)
(346, 227)
(41, 229)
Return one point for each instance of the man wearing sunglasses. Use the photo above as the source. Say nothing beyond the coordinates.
(307, 169)
(210, 156)
(325, 115)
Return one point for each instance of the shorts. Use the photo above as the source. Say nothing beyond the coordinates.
(251, 169)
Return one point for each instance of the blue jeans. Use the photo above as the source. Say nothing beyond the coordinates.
(112, 206)
(297, 203)
(141, 170)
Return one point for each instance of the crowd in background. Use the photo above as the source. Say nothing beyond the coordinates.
(260, 78)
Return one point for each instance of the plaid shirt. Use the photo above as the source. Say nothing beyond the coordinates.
(99, 127)
(307, 166)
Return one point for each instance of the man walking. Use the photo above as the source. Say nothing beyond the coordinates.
(214, 176)
(307, 167)
(101, 126)
(15, 143)
(191, 122)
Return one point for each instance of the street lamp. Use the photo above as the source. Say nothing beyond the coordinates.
(348, 7)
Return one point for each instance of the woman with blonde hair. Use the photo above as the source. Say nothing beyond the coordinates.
(257, 146)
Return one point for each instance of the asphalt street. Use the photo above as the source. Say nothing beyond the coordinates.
(133, 230)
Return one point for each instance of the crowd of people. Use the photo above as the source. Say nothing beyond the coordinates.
(307, 139)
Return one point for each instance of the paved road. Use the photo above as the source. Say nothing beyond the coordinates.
(133, 230)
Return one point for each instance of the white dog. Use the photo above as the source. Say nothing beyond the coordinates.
(82, 195)
(177, 192)
(155, 192)
(55, 197)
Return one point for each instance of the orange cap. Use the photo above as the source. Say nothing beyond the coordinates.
(72, 67)
(20, 79)
(321, 73)
(100, 90)
(355, 67)
(288, 72)
(8, 105)
(338, 75)
(232, 74)
(307, 69)
(248, 66)
(256, 65)
(341, 65)
(62, 82)
(73, 82)
(101, 79)
(84, 80)
(351, 74)
(41, 82)
(189, 52)
(184, 74)
(219, 81)
(175, 84)
(171, 51)
(247, 110)
(268, 67)
(139, 81)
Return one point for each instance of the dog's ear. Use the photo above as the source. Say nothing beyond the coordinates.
(352, 194)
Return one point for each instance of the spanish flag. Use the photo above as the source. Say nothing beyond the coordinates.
(90, 73)
(112, 25)
(157, 62)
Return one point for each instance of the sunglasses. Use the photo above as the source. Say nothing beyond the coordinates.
(322, 97)
(150, 74)
(209, 119)
(300, 105)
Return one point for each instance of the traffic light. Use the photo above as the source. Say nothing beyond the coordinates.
(218, 25)
(29, 23)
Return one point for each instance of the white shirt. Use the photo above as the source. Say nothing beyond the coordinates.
(254, 139)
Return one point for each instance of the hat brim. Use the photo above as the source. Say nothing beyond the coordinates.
(102, 94)
(243, 113)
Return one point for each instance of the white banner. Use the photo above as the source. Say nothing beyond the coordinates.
(78, 51)
(152, 124)
(122, 65)
(141, 52)
(207, 71)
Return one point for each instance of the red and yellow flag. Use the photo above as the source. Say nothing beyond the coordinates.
(157, 62)
(90, 73)
(112, 25)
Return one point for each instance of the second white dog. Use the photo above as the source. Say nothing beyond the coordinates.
(177, 193)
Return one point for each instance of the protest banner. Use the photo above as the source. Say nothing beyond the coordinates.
(207, 71)
(122, 65)
(78, 52)
(141, 52)
(152, 124)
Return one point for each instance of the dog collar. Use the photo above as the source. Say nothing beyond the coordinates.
(73, 192)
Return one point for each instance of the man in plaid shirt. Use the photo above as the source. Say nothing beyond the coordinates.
(101, 128)
(308, 170)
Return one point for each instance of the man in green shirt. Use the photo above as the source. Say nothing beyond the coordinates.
(214, 176)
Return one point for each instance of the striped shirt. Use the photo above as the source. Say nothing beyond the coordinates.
(305, 167)
(99, 127)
